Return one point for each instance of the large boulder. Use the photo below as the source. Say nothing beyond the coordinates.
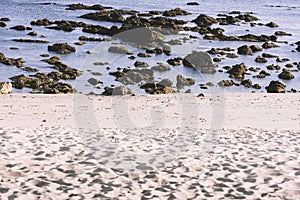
(198, 60)
(276, 87)
(286, 75)
(5, 88)
(204, 20)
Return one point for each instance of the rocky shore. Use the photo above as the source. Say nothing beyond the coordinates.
(145, 33)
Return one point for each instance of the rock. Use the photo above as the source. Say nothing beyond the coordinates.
(2, 57)
(213, 51)
(5, 88)
(247, 17)
(159, 88)
(161, 67)
(30, 69)
(53, 60)
(80, 43)
(101, 63)
(268, 45)
(109, 15)
(135, 76)
(142, 36)
(62, 48)
(174, 61)
(143, 55)
(119, 49)
(204, 20)
(218, 59)
(192, 3)
(237, 71)
(226, 83)
(267, 55)
(141, 64)
(286, 75)
(272, 25)
(22, 81)
(42, 22)
(93, 81)
(5, 19)
(57, 87)
(80, 6)
(33, 33)
(282, 33)
(255, 48)
(247, 83)
(256, 86)
(262, 74)
(298, 48)
(182, 81)
(200, 61)
(166, 83)
(276, 87)
(31, 41)
(260, 60)
(44, 55)
(119, 90)
(273, 67)
(244, 50)
(84, 38)
(20, 28)
(175, 12)
(2, 24)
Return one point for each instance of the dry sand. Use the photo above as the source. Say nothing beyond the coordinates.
(222, 146)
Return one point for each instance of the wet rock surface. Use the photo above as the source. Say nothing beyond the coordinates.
(62, 48)
(276, 87)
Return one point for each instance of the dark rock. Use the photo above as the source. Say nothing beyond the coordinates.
(276, 87)
(84, 38)
(2, 57)
(260, 60)
(80, 6)
(192, 3)
(5, 19)
(199, 60)
(256, 86)
(204, 20)
(286, 75)
(143, 55)
(175, 12)
(213, 51)
(120, 90)
(158, 88)
(182, 81)
(174, 61)
(272, 25)
(218, 59)
(273, 67)
(119, 49)
(20, 28)
(282, 33)
(268, 45)
(62, 48)
(30, 69)
(247, 17)
(108, 15)
(267, 55)
(237, 71)
(18, 62)
(161, 67)
(2, 24)
(42, 22)
(226, 83)
(289, 65)
(244, 50)
(31, 41)
(247, 83)
(141, 64)
(255, 48)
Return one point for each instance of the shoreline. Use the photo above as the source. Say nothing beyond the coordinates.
(228, 111)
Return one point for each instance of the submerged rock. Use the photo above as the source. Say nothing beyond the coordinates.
(276, 87)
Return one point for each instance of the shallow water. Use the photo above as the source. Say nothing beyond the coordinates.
(286, 13)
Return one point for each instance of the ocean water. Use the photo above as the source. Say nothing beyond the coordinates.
(286, 13)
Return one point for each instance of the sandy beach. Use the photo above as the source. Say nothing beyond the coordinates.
(221, 146)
